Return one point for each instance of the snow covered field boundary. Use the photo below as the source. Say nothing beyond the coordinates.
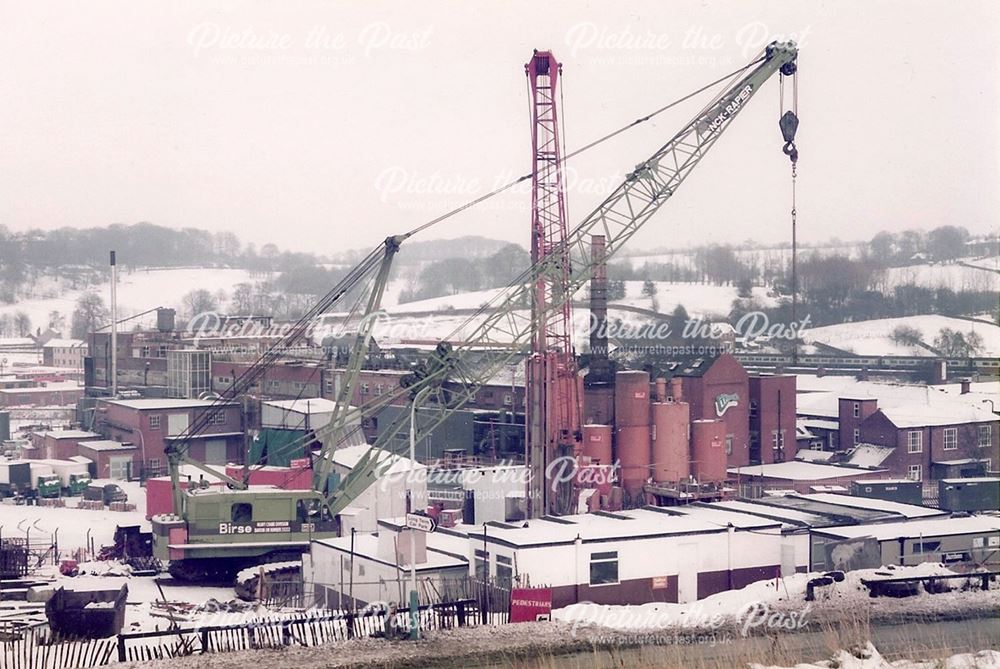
(779, 605)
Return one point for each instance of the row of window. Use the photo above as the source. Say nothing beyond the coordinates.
(216, 418)
(915, 439)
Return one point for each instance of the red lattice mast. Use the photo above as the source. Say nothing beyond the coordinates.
(552, 407)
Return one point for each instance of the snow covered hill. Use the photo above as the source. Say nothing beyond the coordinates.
(875, 337)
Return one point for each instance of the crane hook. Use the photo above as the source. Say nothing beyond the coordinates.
(789, 124)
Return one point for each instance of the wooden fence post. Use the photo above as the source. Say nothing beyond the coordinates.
(121, 648)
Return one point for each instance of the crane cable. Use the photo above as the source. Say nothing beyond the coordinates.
(586, 147)
(789, 124)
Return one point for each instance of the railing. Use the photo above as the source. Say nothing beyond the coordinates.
(33, 650)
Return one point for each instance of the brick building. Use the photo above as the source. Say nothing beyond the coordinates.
(68, 353)
(151, 424)
(930, 443)
(718, 388)
(60, 444)
(772, 419)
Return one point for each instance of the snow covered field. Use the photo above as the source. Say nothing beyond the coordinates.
(875, 337)
(72, 526)
(953, 276)
(138, 291)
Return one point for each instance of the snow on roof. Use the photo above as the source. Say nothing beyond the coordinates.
(869, 456)
(905, 510)
(818, 424)
(624, 525)
(797, 471)
(50, 387)
(349, 456)
(820, 397)
(70, 434)
(310, 405)
(788, 517)
(107, 445)
(812, 455)
(64, 343)
(920, 416)
(170, 403)
(914, 529)
(974, 479)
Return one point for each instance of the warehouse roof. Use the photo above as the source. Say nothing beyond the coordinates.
(788, 517)
(107, 445)
(905, 510)
(170, 403)
(310, 405)
(936, 527)
(598, 527)
(797, 471)
(70, 434)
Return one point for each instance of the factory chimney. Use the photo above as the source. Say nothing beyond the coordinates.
(600, 371)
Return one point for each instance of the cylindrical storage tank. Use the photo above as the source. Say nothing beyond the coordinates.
(675, 389)
(708, 450)
(632, 399)
(165, 319)
(632, 443)
(597, 443)
(661, 390)
(670, 441)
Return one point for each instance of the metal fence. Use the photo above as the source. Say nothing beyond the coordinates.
(36, 650)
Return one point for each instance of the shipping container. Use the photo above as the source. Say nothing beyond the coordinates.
(903, 491)
(972, 494)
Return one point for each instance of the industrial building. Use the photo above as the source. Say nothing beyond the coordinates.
(969, 540)
(151, 424)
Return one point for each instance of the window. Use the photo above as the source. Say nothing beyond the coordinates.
(482, 564)
(927, 547)
(857, 436)
(950, 438)
(219, 418)
(753, 408)
(778, 439)
(242, 513)
(729, 444)
(914, 441)
(378, 388)
(914, 473)
(153, 466)
(604, 568)
(505, 569)
(154, 422)
(507, 399)
(985, 436)
(857, 409)
(364, 388)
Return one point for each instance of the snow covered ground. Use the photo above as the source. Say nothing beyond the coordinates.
(953, 276)
(742, 606)
(869, 658)
(72, 526)
(875, 337)
(138, 291)
(699, 300)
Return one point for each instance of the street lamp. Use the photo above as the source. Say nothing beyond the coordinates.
(414, 604)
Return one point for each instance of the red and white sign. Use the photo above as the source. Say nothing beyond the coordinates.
(530, 604)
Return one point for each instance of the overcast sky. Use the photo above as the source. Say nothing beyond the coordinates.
(329, 125)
